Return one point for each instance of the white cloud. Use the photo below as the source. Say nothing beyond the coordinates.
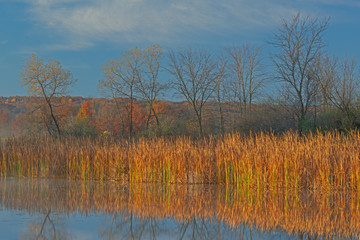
(350, 3)
(152, 20)
(68, 46)
(89, 21)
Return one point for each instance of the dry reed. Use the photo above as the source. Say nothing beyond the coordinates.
(263, 161)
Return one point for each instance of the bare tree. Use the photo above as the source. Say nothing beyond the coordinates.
(220, 88)
(299, 42)
(345, 87)
(47, 80)
(148, 84)
(121, 77)
(339, 82)
(325, 71)
(246, 67)
(195, 78)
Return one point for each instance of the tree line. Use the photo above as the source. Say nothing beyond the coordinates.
(316, 90)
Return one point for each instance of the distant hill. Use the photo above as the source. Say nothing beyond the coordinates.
(23, 115)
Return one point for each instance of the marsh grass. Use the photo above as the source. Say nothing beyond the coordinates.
(327, 161)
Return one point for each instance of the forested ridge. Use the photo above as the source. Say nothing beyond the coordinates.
(19, 115)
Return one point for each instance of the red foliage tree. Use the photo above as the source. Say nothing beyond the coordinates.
(138, 117)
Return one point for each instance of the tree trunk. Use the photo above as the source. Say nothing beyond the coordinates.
(222, 129)
(200, 123)
(54, 118)
(131, 117)
(156, 117)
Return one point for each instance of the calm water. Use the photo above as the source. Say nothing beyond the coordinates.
(60, 209)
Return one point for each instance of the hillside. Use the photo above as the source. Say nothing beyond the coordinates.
(21, 115)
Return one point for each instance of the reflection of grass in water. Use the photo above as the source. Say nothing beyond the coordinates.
(324, 161)
(315, 213)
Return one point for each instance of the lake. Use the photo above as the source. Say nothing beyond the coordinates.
(68, 209)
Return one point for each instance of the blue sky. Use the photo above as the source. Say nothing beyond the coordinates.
(85, 34)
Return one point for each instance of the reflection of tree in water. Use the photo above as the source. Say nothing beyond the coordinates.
(197, 228)
(130, 226)
(50, 226)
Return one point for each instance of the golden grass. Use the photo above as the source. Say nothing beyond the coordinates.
(261, 161)
(314, 213)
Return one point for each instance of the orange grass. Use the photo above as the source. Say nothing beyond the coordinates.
(314, 213)
(260, 161)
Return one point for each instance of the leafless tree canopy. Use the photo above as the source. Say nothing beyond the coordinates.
(148, 85)
(298, 42)
(222, 77)
(247, 75)
(195, 78)
(339, 83)
(121, 77)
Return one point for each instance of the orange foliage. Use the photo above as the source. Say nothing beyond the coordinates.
(64, 111)
(84, 112)
(86, 108)
(117, 125)
(159, 106)
(138, 117)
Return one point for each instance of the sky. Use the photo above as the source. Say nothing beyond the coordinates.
(84, 34)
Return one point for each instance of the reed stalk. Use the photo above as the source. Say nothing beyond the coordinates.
(327, 160)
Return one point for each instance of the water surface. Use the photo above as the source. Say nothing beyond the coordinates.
(63, 209)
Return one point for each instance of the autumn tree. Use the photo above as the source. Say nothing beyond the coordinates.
(84, 111)
(105, 121)
(298, 42)
(139, 117)
(47, 80)
(121, 77)
(194, 75)
(82, 122)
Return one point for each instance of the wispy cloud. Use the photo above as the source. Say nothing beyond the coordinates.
(68, 45)
(350, 3)
(152, 20)
(89, 21)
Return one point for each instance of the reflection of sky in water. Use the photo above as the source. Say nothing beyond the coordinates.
(14, 225)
